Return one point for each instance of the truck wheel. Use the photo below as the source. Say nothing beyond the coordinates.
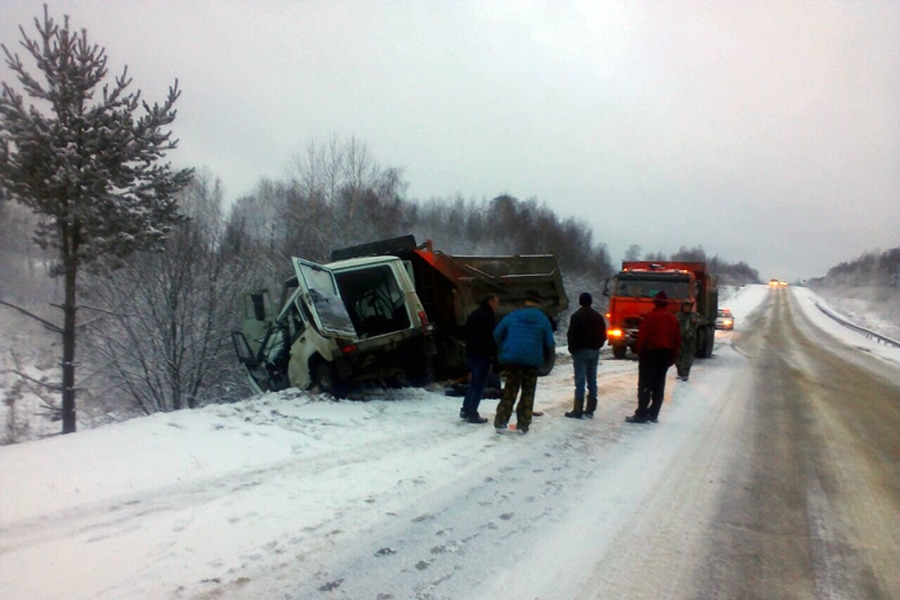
(702, 343)
(325, 377)
(619, 352)
(710, 340)
(421, 372)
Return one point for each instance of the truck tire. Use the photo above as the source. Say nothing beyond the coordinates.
(619, 352)
(327, 379)
(421, 372)
(416, 361)
(702, 337)
(706, 338)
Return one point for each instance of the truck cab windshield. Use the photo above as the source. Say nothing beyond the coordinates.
(647, 288)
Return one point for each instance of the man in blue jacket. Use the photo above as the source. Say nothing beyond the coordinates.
(524, 337)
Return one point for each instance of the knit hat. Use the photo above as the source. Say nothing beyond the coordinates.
(533, 296)
(585, 299)
(661, 298)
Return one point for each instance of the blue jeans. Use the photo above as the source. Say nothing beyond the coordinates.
(479, 366)
(585, 363)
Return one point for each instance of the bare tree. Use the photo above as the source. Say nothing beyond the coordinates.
(633, 253)
(87, 164)
(696, 254)
(162, 332)
(338, 195)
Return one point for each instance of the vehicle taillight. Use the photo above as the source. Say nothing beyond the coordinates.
(614, 333)
(423, 319)
(346, 347)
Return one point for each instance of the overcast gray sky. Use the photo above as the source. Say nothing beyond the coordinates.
(766, 132)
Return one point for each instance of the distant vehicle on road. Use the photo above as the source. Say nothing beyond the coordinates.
(724, 319)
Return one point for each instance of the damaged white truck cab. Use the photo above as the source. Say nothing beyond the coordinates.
(341, 323)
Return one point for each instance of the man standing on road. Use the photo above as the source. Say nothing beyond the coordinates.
(688, 322)
(586, 334)
(658, 341)
(481, 350)
(524, 337)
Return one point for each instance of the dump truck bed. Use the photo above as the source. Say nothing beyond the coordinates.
(452, 286)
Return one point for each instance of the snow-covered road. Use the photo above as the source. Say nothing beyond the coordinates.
(296, 496)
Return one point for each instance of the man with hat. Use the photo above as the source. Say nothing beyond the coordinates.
(586, 334)
(658, 341)
(524, 337)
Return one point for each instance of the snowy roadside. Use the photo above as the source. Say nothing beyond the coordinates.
(875, 322)
(189, 496)
(293, 489)
(874, 308)
(272, 427)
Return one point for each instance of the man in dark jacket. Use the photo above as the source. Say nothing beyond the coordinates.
(658, 341)
(586, 334)
(481, 350)
(524, 337)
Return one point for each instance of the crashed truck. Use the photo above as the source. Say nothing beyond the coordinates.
(390, 311)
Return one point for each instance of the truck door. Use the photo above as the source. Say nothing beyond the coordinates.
(258, 318)
(323, 298)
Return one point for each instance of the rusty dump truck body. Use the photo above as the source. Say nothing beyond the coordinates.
(451, 286)
(632, 294)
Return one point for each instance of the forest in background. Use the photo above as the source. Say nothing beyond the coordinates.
(871, 269)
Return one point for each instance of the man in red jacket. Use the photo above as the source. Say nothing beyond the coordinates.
(658, 341)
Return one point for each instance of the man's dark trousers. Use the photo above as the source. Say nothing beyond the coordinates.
(479, 366)
(652, 367)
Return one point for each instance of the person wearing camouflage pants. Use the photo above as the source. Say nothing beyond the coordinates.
(688, 322)
(524, 339)
(517, 377)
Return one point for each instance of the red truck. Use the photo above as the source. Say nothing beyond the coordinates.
(632, 294)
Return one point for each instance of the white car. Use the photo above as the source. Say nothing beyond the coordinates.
(724, 319)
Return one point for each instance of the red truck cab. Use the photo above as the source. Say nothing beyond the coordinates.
(634, 287)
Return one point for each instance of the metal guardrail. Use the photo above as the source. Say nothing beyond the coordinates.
(866, 332)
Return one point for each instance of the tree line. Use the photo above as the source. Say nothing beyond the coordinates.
(871, 269)
(728, 273)
(154, 265)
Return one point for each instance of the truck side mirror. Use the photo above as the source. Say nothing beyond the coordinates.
(606, 288)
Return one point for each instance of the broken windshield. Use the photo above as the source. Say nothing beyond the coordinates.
(326, 300)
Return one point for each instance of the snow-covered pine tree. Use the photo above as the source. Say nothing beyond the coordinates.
(84, 160)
